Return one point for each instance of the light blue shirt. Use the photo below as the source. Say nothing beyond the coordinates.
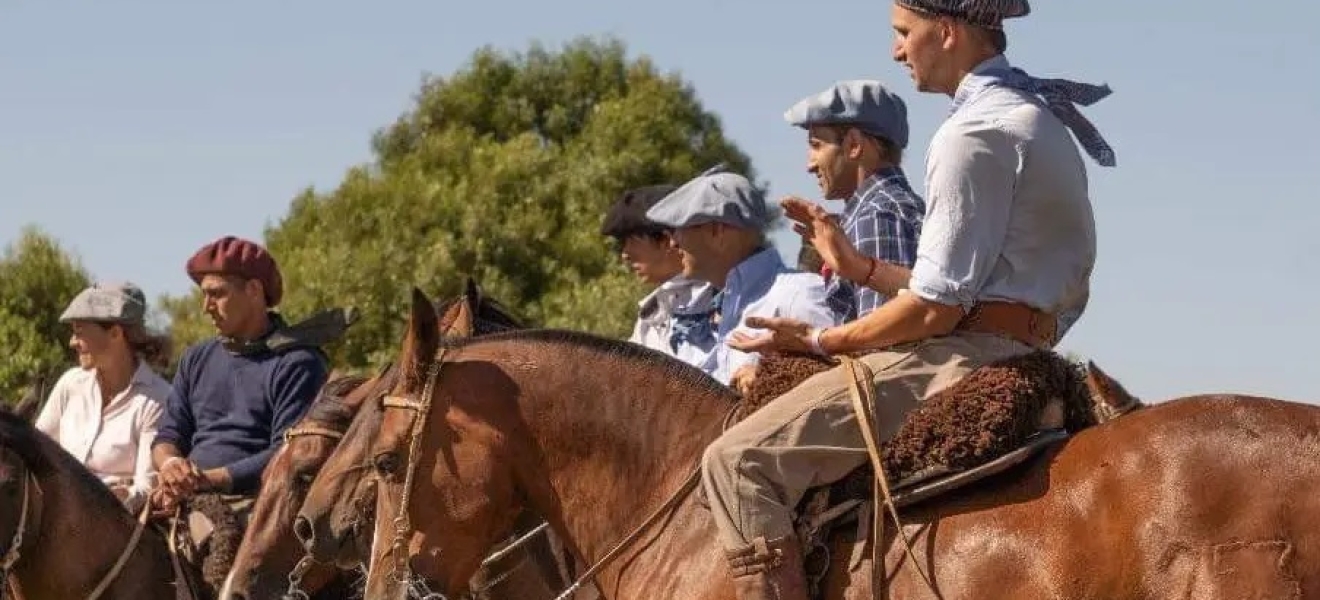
(762, 286)
(1008, 214)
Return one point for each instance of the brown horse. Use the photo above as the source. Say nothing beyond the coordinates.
(64, 531)
(1207, 497)
(269, 555)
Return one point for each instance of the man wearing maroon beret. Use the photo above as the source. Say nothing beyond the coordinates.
(234, 394)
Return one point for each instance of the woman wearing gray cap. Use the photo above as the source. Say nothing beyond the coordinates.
(104, 411)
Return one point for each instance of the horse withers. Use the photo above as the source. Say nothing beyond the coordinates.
(1209, 497)
(271, 561)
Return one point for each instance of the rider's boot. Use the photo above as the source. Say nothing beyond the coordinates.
(769, 570)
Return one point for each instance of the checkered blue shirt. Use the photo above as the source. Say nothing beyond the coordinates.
(882, 220)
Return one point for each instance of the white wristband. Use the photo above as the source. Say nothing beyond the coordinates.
(815, 341)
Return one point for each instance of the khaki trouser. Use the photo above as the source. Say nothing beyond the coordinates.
(758, 470)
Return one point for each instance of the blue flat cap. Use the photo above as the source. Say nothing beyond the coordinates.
(861, 103)
(718, 197)
(985, 13)
(113, 303)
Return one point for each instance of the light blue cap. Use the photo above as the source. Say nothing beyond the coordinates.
(861, 103)
(713, 197)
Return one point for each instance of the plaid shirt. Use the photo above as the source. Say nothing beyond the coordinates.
(882, 220)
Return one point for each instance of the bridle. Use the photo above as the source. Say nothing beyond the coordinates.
(14, 553)
(400, 571)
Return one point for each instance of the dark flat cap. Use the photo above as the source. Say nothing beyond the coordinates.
(985, 13)
(627, 216)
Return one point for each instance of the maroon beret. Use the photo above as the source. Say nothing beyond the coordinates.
(231, 255)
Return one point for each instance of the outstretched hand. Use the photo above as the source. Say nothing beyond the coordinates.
(783, 335)
(822, 230)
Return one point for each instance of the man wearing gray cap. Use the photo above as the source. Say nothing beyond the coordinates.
(856, 133)
(718, 221)
(1003, 266)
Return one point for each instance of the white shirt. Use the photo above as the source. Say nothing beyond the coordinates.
(114, 443)
(1008, 216)
(762, 286)
(659, 312)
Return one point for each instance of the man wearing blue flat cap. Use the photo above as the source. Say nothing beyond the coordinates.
(1003, 267)
(718, 221)
(856, 133)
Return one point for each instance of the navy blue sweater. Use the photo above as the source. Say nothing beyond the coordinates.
(230, 411)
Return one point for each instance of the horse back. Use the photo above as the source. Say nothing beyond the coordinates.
(1209, 497)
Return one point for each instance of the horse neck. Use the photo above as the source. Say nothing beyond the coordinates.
(77, 544)
(615, 438)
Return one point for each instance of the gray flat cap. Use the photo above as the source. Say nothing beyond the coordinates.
(108, 303)
(986, 13)
(721, 197)
(861, 103)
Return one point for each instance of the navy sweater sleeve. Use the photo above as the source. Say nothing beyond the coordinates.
(293, 385)
(176, 425)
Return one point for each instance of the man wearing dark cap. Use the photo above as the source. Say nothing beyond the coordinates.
(677, 316)
(856, 133)
(236, 393)
(1003, 267)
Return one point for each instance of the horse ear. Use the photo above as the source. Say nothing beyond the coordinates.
(422, 339)
(472, 292)
(1108, 392)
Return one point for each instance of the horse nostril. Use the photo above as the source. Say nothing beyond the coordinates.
(303, 529)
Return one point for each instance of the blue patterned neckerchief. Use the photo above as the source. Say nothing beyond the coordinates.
(1059, 95)
(697, 329)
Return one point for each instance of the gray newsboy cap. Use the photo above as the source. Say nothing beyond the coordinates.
(721, 197)
(861, 103)
(985, 13)
(108, 303)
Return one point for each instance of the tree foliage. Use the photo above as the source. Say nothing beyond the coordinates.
(501, 171)
(38, 278)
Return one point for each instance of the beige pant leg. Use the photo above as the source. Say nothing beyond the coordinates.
(756, 472)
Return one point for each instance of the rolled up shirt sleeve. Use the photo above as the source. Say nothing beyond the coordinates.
(970, 179)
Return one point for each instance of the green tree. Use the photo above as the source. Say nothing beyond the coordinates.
(38, 278)
(501, 171)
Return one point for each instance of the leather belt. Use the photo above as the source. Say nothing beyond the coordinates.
(1015, 320)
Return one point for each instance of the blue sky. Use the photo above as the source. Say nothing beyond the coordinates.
(136, 131)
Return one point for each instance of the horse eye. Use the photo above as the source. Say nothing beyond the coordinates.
(387, 463)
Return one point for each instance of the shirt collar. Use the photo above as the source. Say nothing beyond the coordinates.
(753, 273)
(976, 80)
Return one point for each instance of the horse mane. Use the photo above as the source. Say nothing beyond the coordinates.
(329, 406)
(638, 354)
(491, 316)
(44, 457)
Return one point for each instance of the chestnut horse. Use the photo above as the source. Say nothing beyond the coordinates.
(1209, 497)
(268, 560)
(62, 532)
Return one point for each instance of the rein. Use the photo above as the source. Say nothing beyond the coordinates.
(13, 554)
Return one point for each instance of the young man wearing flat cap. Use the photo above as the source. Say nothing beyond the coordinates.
(236, 393)
(1003, 267)
(676, 318)
(718, 221)
(856, 133)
